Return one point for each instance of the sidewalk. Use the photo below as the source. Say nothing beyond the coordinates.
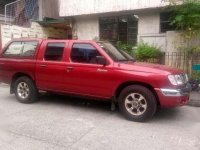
(194, 99)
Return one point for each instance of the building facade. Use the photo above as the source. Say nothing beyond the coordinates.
(30, 19)
(129, 21)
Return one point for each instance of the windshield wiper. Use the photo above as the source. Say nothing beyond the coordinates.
(133, 60)
(123, 60)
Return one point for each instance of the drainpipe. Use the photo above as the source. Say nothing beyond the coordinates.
(40, 4)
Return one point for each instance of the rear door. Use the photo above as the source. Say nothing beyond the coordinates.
(50, 66)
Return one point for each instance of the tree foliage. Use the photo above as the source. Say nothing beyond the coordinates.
(187, 17)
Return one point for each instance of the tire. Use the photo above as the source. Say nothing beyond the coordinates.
(137, 103)
(25, 90)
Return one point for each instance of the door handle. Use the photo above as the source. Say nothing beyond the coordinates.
(101, 70)
(43, 66)
(69, 69)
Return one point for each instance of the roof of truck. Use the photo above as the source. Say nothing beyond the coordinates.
(43, 39)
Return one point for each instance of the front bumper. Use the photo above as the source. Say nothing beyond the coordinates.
(173, 97)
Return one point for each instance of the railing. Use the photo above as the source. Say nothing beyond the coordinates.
(179, 60)
(21, 12)
(182, 60)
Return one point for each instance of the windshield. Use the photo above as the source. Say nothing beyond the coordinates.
(114, 53)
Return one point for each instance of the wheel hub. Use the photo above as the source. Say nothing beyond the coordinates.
(136, 104)
(23, 90)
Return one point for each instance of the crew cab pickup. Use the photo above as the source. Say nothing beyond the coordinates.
(91, 69)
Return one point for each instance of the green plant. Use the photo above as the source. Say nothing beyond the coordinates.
(125, 47)
(187, 17)
(146, 51)
(195, 75)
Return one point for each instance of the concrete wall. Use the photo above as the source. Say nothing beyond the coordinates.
(149, 23)
(149, 30)
(8, 32)
(86, 28)
(83, 7)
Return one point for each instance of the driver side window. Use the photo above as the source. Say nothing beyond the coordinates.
(84, 53)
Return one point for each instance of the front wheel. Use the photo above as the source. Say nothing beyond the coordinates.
(137, 103)
(25, 90)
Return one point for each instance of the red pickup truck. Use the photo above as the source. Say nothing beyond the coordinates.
(93, 69)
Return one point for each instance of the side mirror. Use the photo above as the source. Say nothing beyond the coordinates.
(101, 60)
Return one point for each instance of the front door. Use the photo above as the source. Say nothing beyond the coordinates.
(84, 75)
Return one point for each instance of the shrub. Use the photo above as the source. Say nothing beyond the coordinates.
(145, 51)
(125, 47)
(195, 75)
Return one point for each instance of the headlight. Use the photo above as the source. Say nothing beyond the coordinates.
(172, 79)
(178, 79)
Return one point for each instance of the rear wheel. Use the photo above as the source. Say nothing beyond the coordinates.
(137, 103)
(25, 90)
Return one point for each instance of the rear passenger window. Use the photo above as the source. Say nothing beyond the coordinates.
(54, 51)
(84, 53)
(21, 49)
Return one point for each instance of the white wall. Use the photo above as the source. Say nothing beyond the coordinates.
(80, 7)
(86, 28)
(149, 23)
(149, 30)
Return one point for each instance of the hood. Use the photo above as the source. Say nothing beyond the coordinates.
(148, 67)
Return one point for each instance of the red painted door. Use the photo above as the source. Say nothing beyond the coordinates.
(84, 75)
(50, 66)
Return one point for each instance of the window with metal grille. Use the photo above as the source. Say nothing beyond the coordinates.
(121, 28)
(165, 22)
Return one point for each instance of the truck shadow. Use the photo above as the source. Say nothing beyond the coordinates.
(105, 106)
(57, 99)
(169, 114)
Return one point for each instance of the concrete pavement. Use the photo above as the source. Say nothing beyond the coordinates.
(62, 123)
(194, 99)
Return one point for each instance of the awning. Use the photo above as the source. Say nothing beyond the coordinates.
(56, 23)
